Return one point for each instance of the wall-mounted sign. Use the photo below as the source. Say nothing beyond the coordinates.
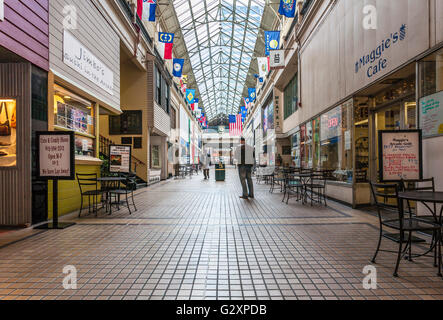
(2, 10)
(400, 155)
(56, 155)
(119, 159)
(277, 59)
(79, 58)
(431, 114)
(374, 61)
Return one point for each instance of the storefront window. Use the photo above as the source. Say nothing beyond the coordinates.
(361, 138)
(316, 144)
(8, 133)
(431, 94)
(291, 97)
(129, 122)
(72, 112)
(336, 143)
(296, 161)
(155, 154)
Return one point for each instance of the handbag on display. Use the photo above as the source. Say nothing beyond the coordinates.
(5, 127)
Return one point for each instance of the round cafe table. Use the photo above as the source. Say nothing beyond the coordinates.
(424, 197)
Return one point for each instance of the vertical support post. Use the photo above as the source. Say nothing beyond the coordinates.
(55, 203)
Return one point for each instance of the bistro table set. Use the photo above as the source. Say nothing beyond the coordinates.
(306, 185)
(113, 190)
(407, 211)
(397, 208)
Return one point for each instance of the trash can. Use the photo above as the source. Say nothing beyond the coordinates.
(220, 172)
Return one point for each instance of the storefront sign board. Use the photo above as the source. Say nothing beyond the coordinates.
(120, 159)
(55, 155)
(431, 114)
(400, 155)
(82, 60)
(277, 59)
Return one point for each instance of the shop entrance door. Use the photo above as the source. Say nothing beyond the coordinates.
(401, 115)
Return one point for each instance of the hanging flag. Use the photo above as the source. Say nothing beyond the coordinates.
(185, 78)
(183, 86)
(263, 66)
(252, 94)
(287, 8)
(177, 67)
(190, 96)
(196, 101)
(166, 42)
(244, 113)
(198, 114)
(235, 125)
(149, 7)
(272, 41)
(247, 103)
(140, 9)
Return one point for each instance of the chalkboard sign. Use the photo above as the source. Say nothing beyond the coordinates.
(56, 155)
(400, 155)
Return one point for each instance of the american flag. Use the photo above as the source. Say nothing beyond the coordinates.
(235, 125)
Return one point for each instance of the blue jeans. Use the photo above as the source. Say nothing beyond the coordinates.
(245, 173)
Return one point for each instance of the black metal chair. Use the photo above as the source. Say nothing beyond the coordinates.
(391, 215)
(293, 187)
(316, 186)
(277, 180)
(128, 188)
(88, 185)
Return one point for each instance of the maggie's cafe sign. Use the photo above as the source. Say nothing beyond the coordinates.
(375, 61)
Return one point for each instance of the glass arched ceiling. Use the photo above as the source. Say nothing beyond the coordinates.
(220, 36)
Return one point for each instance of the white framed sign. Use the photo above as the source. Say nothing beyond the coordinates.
(431, 114)
(277, 59)
(82, 60)
(400, 155)
(119, 159)
(2, 10)
(56, 156)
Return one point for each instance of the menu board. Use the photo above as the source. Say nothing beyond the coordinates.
(119, 159)
(431, 114)
(400, 155)
(55, 155)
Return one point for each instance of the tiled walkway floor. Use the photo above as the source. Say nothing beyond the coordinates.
(192, 239)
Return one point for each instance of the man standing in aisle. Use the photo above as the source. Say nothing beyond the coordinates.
(205, 159)
(245, 156)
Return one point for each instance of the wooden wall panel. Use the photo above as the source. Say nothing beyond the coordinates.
(15, 183)
(25, 30)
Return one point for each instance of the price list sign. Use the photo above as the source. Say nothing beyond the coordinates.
(55, 155)
(400, 155)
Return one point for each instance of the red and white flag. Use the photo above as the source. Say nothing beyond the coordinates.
(235, 125)
(165, 44)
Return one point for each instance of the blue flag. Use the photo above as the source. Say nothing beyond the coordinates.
(177, 67)
(287, 8)
(244, 113)
(252, 94)
(190, 96)
(272, 41)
